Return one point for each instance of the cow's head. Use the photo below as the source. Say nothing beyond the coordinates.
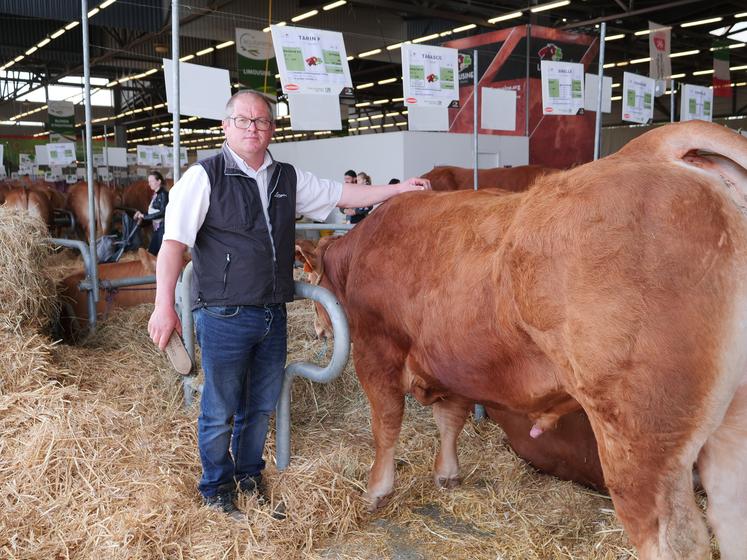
(311, 256)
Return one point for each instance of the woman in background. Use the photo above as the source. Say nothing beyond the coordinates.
(156, 210)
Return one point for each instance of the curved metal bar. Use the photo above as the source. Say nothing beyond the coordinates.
(340, 354)
(84, 252)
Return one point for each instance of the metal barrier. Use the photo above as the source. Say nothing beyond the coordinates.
(83, 248)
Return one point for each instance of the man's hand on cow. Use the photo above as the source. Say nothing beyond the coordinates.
(162, 323)
(415, 184)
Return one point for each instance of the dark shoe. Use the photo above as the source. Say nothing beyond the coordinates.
(253, 486)
(225, 503)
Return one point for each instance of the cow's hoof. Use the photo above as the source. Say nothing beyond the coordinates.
(374, 504)
(448, 482)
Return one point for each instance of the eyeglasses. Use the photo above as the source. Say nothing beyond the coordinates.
(244, 123)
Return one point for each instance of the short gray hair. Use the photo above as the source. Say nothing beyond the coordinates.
(256, 95)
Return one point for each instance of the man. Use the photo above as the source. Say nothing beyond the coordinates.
(236, 211)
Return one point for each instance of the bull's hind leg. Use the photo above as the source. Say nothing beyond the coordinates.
(648, 470)
(722, 465)
(381, 380)
(450, 415)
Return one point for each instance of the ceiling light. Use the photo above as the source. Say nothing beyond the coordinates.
(106, 4)
(387, 81)
(675, 76)
(616, 98)
(683, 53)
(426, 38)
(364, 86)
(380, 101)
(614, 37)
(394, 46)
(205, 51)
(702, 72)
(504, 17)
(351, 57)
(93, 12)
(549, 6)
(464, 28)
(44, 42)
(32, 50)
(334, 5)
(72, 24)
(738, 67)
(642, 32)
(609, 65)
(304, 15)
(57, 33)
(701, 22)
(732, 46)
(445, 33)
(224, 45)
(640, 60)
(186, 58)
(369, 53)
(624, 63)
(364, 104)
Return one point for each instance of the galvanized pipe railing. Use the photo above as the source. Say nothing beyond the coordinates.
(340, 354)
(83, 249)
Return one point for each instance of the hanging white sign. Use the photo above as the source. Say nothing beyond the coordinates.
(637, 98)
(659, 48)
(562, 87)
(311, 60)
(60, 154)
(148, 156)
(430, 75)
(696, 103)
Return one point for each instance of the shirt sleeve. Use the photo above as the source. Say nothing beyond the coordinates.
(316, 198)
(189, 200)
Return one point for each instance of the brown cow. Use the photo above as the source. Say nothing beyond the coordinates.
(74, 315)
(31, 201)
(513, 179)
(77, 202)
(620, 285)
(137, 195)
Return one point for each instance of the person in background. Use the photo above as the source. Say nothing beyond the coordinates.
(236, 210)
(156, 210)
(355, 215)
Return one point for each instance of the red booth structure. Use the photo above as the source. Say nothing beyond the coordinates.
(554, 141)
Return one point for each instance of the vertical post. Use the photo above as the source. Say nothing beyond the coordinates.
(106, 156)
(526, 92)
(671, 103)
(89, 161)
(475, 123)
(175, 88)
(600, 83)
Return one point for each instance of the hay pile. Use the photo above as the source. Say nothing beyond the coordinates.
(100, 461)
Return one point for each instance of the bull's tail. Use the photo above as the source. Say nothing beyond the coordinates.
(673, 142)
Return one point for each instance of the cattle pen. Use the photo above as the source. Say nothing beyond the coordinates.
(99, 457)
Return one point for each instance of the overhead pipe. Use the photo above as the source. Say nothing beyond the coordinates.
(340, 354)
(92, 272)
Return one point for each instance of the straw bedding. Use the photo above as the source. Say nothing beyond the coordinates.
(99, 460)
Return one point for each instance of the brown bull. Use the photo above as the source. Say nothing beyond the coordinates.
(34, 202)
(74, 315)
(619, 286)
(77, 203)
(513, 179)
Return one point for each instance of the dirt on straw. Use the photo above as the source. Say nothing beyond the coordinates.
(100, 461)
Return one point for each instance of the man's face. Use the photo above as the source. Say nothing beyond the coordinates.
(249, 141)
(349, 179)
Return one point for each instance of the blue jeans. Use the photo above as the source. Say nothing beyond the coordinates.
(243, 358)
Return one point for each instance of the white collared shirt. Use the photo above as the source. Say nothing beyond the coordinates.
(189, 198)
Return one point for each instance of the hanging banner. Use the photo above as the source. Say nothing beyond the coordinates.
(659, 48)
(61, 115)
(311, 60)
(256, 61)
(696, 103)
(721, 73)
(637, 98)
(166, 155)
(431, 75)
(60, 154)
(562, 87)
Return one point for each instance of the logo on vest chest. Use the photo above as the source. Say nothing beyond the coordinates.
(280, 195)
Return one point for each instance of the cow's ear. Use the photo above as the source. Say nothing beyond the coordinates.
(147, 260)
(306, 254)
